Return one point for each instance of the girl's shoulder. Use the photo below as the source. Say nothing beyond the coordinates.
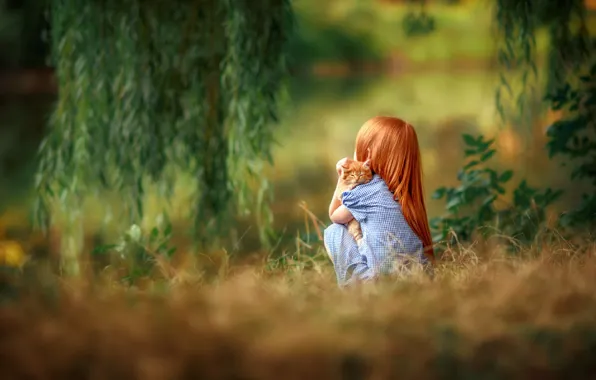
(371, 192)
(375, 185)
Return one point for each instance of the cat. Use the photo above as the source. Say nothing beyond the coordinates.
(354, 173)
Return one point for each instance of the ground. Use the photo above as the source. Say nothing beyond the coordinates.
(488, 314)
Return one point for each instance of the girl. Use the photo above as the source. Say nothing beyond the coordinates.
(390, 208)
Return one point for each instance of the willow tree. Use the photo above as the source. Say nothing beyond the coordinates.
(570, 82)
(569, 42)
(149, 88)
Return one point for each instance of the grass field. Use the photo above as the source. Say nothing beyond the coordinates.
(487, 315)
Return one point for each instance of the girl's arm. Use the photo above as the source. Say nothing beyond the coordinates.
(341, 215)
(335, 202)
(338, 213)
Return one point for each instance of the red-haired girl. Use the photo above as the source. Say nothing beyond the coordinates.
(390, 208)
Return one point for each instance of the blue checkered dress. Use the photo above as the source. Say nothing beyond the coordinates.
(387, 237)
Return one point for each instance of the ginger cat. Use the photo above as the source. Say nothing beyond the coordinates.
(354, 173)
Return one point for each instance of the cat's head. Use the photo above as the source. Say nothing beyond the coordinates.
(356, 172)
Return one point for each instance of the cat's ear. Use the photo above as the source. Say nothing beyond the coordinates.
(367, 163)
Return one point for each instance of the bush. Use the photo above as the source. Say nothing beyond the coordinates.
(318, 41)
(574, 137)
(472, 206)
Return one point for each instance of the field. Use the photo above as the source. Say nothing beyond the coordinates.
(484, 316)
(248, 312)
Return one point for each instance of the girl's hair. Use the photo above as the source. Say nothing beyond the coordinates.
(395, 156)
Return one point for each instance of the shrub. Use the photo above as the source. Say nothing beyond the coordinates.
(471, 207)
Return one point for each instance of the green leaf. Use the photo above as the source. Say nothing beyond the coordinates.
(162, 247)
(460, 174)
(506, 176)
(435, 222)
(453, 203)
(439, 193)
(486, 156)
(471, 164)
(102, 249)
(486, 144)
(505, 83)
(438, 237)
(171, 251)
(154, 234)
(168, 230)
(469, 140)
(489, 200)
(470, 152)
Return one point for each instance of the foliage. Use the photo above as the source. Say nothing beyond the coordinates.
(519, 22)
(320, 40)
(569, 85)
(418, 24)
(149, 89)
(140, 251)
(473, 205)
(575, 138)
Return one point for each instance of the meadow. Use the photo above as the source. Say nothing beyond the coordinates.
(486, 315)
(495, 308)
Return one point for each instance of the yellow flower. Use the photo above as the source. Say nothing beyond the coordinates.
(11, 254)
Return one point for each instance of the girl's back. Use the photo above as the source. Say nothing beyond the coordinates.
(386, 234)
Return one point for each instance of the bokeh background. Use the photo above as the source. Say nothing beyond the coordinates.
(351, 60)
(495, 309)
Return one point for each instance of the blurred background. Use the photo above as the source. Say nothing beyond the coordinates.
(351, 60)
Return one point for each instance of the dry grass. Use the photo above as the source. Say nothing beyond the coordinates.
(484, 316)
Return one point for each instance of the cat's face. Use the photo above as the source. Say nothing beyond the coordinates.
(356, 173)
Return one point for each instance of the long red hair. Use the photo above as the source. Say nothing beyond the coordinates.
(395, 157)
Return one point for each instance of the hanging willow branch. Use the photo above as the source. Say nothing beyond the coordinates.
(570, 89)
(518, 23)
(149, 88)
